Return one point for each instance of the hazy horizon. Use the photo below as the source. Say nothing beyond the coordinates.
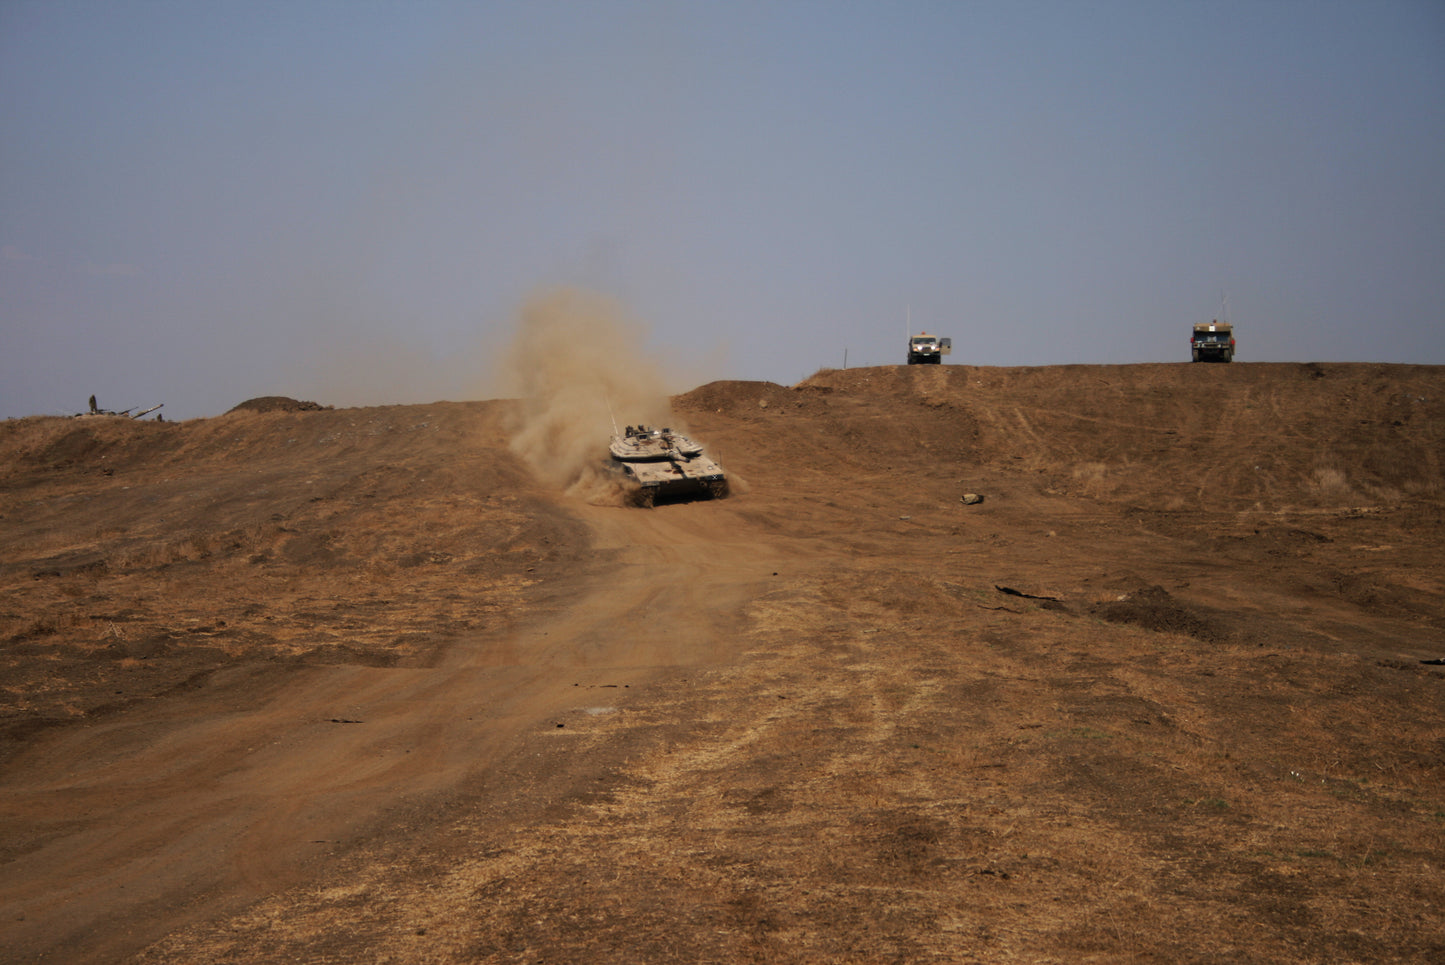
(353, 203)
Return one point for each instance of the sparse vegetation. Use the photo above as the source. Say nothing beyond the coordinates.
(346, 689)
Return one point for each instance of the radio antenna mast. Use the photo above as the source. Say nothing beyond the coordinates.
(611, 415)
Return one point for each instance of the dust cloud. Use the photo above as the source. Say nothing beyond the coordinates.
(577, 363)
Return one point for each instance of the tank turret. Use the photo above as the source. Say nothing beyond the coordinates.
(658, 462)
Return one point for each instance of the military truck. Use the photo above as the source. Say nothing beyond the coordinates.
(928, 349)
(1213, 342)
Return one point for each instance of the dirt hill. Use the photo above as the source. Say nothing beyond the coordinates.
(309, 684)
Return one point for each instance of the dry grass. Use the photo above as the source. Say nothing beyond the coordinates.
(890, 760)
(911, 795)
(1330, 483)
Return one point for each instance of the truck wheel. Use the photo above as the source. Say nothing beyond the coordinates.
(1195, 353)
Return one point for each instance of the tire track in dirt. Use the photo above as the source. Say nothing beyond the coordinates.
(190, 808)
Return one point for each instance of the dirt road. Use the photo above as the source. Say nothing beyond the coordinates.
(343, 685)
(225, 793)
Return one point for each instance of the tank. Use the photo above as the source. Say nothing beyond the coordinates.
(661, 463)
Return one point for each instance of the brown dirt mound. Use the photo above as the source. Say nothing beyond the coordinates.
(278, 403)
(171, 550)
(734, 397)
(1153, 608)
(93, 445)
(1178, 436)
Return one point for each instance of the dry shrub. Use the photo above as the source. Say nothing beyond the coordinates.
(49, 623)
(1093, 478)
(1422, 487)
(1383, 493)
(1329, 483)
(153, 553)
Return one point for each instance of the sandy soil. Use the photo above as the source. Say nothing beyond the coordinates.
(316, 685)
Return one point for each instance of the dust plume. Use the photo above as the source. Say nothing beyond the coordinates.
(577, 363)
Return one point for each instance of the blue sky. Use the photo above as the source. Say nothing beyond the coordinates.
(202, 202)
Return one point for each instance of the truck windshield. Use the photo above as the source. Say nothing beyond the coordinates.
(923, 343)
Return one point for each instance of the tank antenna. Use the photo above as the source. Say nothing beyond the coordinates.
(611, 415)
